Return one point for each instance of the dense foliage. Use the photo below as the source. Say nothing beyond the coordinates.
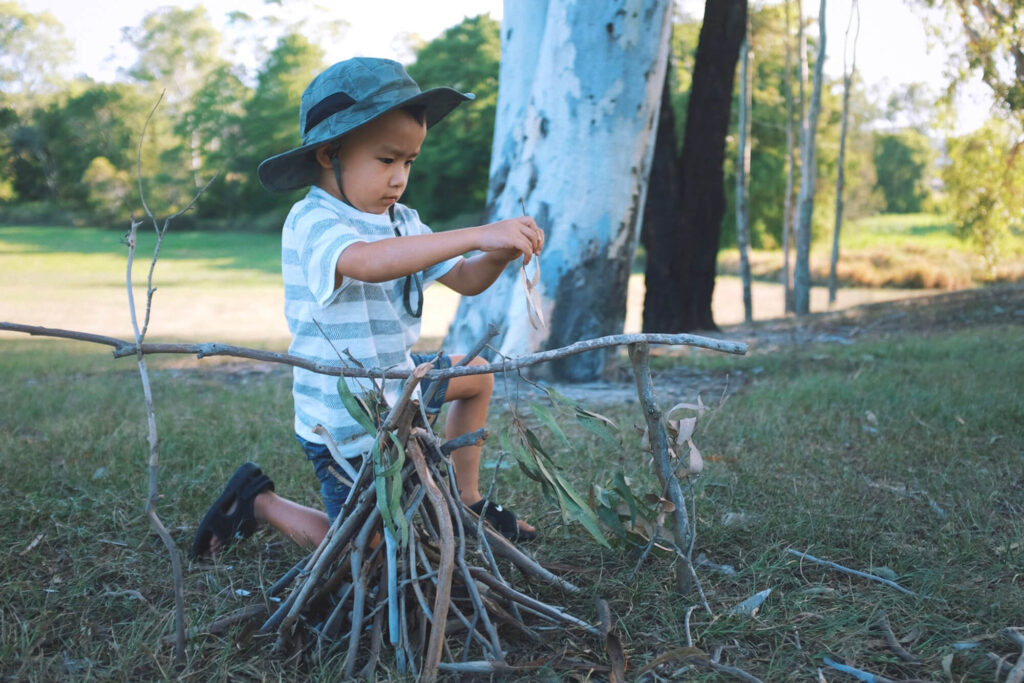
(69, 148)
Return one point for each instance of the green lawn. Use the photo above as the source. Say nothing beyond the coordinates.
(901, 456)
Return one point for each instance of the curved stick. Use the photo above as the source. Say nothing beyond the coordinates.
(442, 599)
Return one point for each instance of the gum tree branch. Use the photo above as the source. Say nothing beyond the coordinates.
(123, 348)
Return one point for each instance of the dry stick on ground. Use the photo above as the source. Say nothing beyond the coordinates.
(154, 443)
(1016, 674)
(847, 570)
(892, 641)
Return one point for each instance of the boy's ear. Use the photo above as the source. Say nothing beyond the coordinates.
(323, 156)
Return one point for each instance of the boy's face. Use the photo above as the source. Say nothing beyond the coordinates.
(376, 160)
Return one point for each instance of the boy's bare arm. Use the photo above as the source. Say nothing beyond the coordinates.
(397, 257)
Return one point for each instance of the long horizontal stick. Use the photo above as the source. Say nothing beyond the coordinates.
(123, 348)
(847, 570)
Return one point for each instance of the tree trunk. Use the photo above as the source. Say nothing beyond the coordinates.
(661, 222)
(805, 201)
(681, 253)
(576, 116)
(840, 177)
(787, 210)
(743, 175)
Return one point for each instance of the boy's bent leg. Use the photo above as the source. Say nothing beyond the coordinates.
(470, 398)
(304, 525)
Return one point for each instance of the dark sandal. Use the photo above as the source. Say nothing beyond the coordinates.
(245, 484)
(503, 520)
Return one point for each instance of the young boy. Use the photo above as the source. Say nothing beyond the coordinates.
(354, 262)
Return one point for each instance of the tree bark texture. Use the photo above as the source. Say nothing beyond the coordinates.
(743, 175)
(787, 211)
(576, 115)
(848, 75)
(805, 201)
(681, 252)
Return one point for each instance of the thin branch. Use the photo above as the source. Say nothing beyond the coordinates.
(892, 642)
(853, 572)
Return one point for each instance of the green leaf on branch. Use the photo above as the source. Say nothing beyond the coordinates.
(357, 408)
(548, 420)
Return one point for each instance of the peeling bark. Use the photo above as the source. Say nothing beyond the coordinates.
(577, 110)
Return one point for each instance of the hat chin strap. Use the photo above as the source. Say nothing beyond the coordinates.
(336, 165)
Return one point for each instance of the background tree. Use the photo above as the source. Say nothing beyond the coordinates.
(743, 172)
(788, 197)
(805, 201)
(465, 57)
(902, 162)
(179, 51)
(849, 48)
(33, 50)
(994, 48)
(576, 113)
(984, 184)
(681, 251)
(269, 123)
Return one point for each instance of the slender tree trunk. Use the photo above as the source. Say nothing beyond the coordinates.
(840, 177)
(743, 174)
(805, 201)
(787, 211)
(576, 117)
(682, 252)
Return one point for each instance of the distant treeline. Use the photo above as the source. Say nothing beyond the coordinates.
(69, 150)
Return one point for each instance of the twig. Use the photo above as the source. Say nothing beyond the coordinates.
(432, 657)
(1016, 674)
(859, 674)
(639, 355)
(686, 625)
(476, 438)
(505, 548)
(847, 570)
(124, 348)
(544, 609)
(724, 668)
(892, 642)
(474, 595)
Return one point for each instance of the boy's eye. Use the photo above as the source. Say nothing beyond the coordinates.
(386, 160)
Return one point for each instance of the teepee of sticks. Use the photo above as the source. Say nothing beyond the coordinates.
(395, 566)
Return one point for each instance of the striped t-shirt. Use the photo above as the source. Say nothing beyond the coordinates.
(369, 320)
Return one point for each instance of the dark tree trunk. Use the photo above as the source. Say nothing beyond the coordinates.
(661, 233)
(682, 241)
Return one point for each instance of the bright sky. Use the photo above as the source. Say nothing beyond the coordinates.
(892, 49)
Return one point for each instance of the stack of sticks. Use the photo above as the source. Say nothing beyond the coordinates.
(400, 577)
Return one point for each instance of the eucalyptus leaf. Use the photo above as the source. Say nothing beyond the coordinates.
(355, 409)
(548, 420)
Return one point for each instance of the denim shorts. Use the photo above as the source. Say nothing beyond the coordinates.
(333, 489)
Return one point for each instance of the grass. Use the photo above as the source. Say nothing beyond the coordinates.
(901, 455)
(845, 452)
(915, 251)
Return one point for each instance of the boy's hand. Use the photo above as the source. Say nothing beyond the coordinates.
(510, 238)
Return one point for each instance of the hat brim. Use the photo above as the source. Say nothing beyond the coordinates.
(298, 167)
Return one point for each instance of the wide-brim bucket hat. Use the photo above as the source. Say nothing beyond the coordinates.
(342, 98)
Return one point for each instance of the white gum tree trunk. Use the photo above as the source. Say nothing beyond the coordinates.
(579, 90)
(805, 201)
